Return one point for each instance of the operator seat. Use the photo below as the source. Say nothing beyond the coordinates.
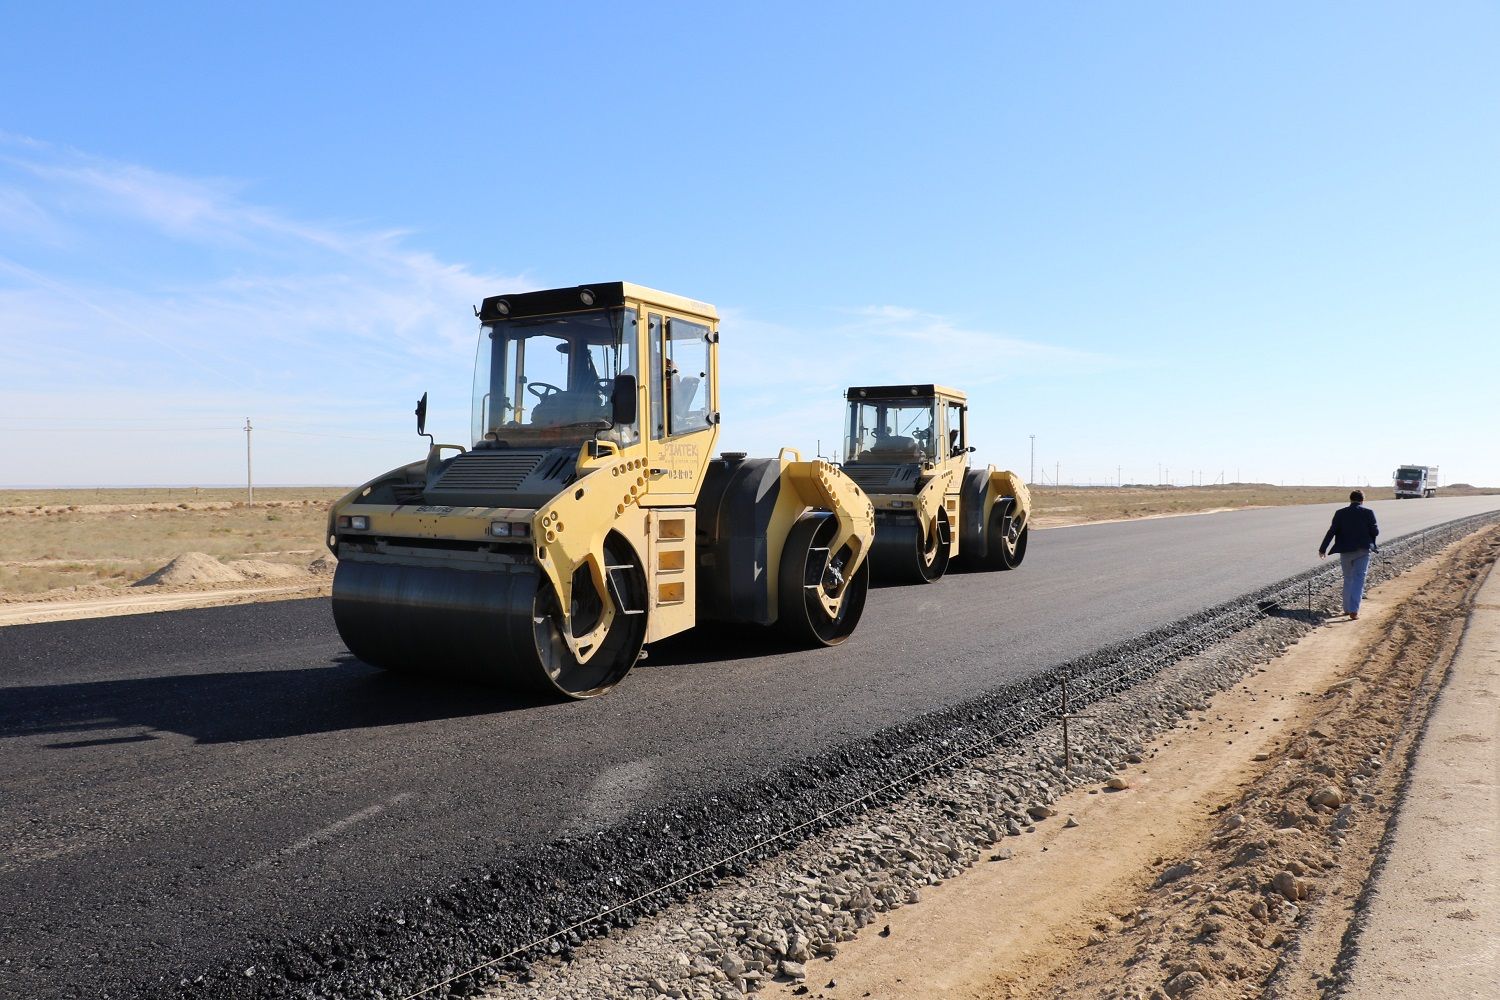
(569, 408)
(894, 448)
(683, 392)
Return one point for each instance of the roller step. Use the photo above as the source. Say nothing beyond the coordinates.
(615, 591)
(811, 549)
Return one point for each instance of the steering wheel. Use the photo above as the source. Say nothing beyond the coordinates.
(542, 390)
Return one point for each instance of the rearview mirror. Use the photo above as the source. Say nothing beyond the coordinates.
(422, 415)
(623, 399)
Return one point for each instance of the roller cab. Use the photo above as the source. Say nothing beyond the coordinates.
(907, 447)
(574, 527)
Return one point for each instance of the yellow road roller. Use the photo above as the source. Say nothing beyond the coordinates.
(588, 515)
(908, 447)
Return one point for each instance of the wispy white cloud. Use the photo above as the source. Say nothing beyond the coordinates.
(133, 300)
(783, 383)
(20, 214)
(122, 282)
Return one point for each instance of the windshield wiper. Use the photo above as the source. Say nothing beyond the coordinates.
(600, 424)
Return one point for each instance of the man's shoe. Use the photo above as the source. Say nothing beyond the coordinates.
(1354, 616)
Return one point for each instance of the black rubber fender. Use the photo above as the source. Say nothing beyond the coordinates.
(973, 534)
(734, 511)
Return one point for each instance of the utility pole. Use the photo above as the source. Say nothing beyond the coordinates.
(1033, 458)
(1057, 474)
(249, 474)
(1119, 477)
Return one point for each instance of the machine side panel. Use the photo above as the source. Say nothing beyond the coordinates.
(671, 569)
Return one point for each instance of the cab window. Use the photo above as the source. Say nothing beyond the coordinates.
(956, 442)
(688, 383)
(653, 336)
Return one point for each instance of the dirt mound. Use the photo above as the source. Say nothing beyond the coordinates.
(259, 569)
(197, 568)
(323, 565)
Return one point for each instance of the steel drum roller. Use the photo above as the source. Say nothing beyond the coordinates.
(898, 554)
(494, 626)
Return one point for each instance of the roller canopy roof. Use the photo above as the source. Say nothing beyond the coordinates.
(601, 295)
(915, 391)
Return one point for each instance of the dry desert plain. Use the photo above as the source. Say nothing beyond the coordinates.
(78, 544)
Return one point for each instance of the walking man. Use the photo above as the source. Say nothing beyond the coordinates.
(1353, 533)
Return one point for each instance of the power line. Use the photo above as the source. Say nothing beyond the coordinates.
(117, 430)
(189, 429)
(322, 434)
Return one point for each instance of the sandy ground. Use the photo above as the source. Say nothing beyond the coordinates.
(85, 553)
(68, 554)
(1212, 873)
(135, 603)
(76, 551)
(1432, 927)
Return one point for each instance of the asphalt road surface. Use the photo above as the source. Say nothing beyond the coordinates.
(176, 786)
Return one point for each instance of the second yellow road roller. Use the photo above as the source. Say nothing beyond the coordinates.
(908, 447)
(587, 515)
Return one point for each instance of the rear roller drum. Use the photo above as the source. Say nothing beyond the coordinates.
(1005, 544)
(808, 572)
(902, 555)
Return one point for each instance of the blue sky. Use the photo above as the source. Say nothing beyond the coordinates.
(1231, 238)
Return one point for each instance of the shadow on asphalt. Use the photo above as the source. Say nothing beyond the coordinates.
(234, 707)
(713, 642)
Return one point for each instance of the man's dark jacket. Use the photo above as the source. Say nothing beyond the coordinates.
(1353, 530)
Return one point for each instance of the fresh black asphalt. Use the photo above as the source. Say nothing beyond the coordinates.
(181, 791)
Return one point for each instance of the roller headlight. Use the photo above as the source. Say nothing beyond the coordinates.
(354, 522)
(510, 529)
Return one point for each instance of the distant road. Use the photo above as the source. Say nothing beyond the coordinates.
(176, 786)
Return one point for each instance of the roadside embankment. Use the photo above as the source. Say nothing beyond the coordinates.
(1427, 925)
(1228, 861)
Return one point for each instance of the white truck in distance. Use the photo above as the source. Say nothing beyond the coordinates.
(1416, 481)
